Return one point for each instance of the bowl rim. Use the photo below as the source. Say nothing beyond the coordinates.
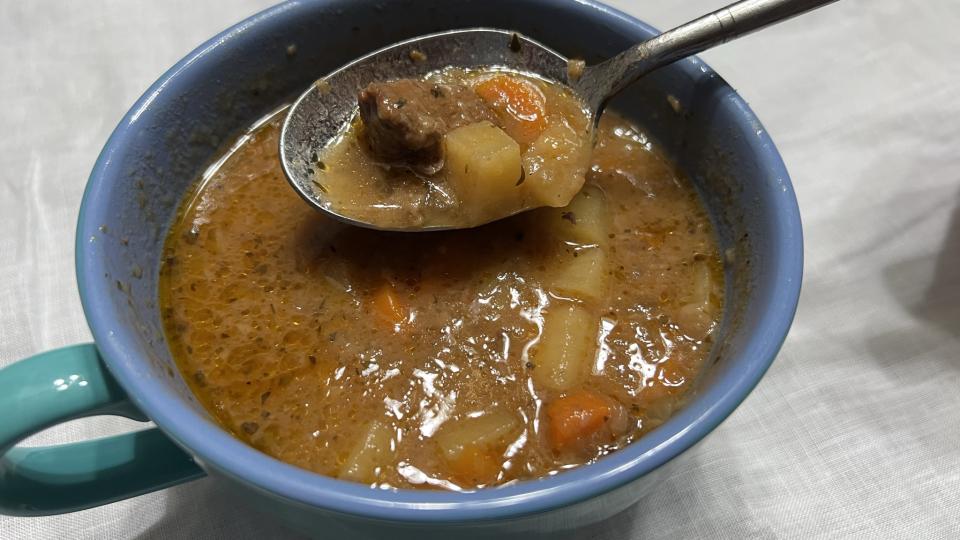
(215, 448)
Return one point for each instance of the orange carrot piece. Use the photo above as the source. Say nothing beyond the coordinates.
(575, 417)
(519, 104)
(475, 465)
(388, 306)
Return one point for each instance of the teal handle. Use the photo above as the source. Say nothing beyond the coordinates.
(61, 385)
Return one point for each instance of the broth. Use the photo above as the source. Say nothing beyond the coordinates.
(452, 360)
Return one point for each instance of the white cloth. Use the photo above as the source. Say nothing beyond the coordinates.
(855, 430)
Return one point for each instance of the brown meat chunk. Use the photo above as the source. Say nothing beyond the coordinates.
(405, 120)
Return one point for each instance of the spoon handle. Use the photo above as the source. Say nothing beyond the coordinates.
(599, 83)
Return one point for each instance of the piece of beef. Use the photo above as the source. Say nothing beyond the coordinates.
(405, 120)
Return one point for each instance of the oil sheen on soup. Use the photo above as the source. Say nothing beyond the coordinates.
(451, 360)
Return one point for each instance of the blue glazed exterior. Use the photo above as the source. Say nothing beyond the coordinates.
(171, 133)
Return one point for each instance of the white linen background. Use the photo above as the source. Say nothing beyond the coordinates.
(855, 430)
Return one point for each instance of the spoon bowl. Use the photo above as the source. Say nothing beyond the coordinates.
(320, 115)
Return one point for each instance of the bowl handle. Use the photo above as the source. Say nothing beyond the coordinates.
(61, 385)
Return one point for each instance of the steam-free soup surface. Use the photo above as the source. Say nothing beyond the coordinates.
(451, 360)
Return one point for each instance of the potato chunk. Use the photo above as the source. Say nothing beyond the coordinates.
(585, 220)
(367, 454)
(556, 164)
(697, 313)
(582, 277)
(567, 345)
(486, 430)
(483, 167)
(473, 447)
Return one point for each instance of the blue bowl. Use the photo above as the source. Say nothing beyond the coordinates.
(212, 95)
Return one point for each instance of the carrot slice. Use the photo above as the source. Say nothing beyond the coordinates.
(575, 417)
(388, 306)
(519, 104)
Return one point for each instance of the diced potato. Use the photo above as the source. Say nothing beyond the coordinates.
(483, 166)
(699, 306)
(694, 321)
(567, 346)
(583, 277)
(585, 220)
(701, 285)
(555, 164)
(368, 454)
(481, 431)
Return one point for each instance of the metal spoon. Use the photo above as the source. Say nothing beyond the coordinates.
(320, 114)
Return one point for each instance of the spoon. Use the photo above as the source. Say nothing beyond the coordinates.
(320, 115)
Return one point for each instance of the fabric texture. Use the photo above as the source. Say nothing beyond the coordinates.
(855, 430)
